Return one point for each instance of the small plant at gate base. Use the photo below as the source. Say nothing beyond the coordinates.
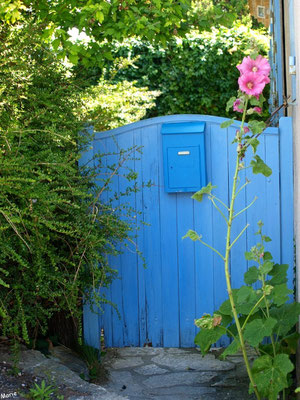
(252, 314)
(42, 392)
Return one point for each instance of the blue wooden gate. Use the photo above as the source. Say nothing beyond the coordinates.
(182, 279)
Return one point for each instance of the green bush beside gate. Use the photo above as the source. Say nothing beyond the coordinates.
(195, 75)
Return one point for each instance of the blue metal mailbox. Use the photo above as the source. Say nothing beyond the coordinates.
(183, 156)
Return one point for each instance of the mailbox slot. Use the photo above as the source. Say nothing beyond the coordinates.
(184, 156)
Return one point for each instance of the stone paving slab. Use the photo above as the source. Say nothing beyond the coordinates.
(128, 362)
(137, 351)
(182, 390)
(191, 361)
(177, 397)
(151, 369)
(179, 378)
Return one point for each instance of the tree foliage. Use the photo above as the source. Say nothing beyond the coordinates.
(104, 21)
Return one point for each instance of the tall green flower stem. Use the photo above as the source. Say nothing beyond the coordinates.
(227, 256)
(228, 280)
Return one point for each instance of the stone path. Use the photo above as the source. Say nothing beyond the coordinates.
(139, 374)
(174, 374)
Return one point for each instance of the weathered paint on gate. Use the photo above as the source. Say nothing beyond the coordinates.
(183, 280)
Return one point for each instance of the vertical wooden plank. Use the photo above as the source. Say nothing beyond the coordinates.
(219, 161)
(286, 194)
(238, 263)
(105, 147)
(105, 312)
(142, 234)
(116, 318)
(204, 267)
(169, 260)
(128, 259)
(186, 265)
(152, 247)
(272, 200)
(91, 331)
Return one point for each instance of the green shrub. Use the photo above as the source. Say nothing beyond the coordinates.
(110, 105)
(54, 232)
(194, 75)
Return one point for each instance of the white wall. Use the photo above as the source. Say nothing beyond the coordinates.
(294, 110)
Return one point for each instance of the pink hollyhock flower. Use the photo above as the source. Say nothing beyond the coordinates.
(251, 83)
(257, 110)
(260, 65)
(246, 129)
(236, 105)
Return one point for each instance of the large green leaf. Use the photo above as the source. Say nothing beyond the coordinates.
(270, 375)
(268, 256)
(259, 167)
(266, 267)
(253, 142)
(230, 102)
(256, 330)
(226, 124)
(279, 274)
(247, 297)
(254, 101)
(205, 190)
(206, 337)
(233, 348)
(244, 293)
(226, 319)
(256, 127)
(287, 316)
(251, 276)
(290, 343)
(280, 294)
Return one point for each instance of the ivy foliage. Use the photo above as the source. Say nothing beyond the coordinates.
(55, 233)
(195, 75)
